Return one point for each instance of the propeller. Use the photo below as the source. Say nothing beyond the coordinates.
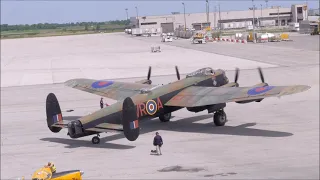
(236, 76)
(262, 77)
(177, 72)
(148, 81)
(235, 83)
(149, 73)
(261, 74)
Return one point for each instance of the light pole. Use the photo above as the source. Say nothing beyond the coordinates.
(127, 13)
(137, 12)
(137, 17)
(219, 20)
(214, 17)
(266, 3)
(184, 13)
(260, 16)
(306, 10)
(207, 9)
(253, 24)
(278, 18)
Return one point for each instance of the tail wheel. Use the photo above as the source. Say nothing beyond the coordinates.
(220, 118)
(165, 117)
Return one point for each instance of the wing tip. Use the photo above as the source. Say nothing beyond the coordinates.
(70, 83)
(303, 88)
(294, 90)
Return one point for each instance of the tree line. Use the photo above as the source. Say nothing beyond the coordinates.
(23, 27)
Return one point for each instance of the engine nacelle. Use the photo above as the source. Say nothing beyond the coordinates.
(216, 107)
(196, 109)
(75, 130)
(210, 108)
(249, 101)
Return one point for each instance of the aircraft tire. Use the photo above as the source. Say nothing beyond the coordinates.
(220, 118)
(165, 117)
(95, 140)
(55, 129)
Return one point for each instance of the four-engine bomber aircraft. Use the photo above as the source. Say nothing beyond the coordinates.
(204, 89)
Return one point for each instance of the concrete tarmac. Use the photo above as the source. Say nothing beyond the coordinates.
(57, 59)
(288, 53)
(276, 138)
(302, 42)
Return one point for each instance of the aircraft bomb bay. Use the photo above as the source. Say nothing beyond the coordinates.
(276, 138)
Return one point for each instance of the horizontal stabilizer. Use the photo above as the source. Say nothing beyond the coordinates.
(61, 124)
(107, 127)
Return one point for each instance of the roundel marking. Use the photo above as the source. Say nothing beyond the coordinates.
(101, 84)
(259, 90)
(151, 107)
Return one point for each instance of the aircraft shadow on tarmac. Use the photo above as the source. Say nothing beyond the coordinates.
(186, 125)
(75, 143)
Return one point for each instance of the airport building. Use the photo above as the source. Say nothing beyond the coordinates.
(272, 16)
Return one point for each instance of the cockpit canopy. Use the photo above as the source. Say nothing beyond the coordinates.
(207, 71)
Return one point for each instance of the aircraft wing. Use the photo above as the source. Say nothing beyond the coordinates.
(111, 89)
(200, 96)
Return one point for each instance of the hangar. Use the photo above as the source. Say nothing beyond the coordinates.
(272, 16)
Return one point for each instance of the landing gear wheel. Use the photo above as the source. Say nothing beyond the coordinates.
(165, 117)
(95, 140)
(220, 118)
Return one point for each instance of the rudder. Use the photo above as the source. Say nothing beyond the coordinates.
(53, 111)
(130, 120)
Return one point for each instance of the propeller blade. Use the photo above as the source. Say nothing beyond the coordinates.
(177, 72)
(149, 73)
(236, 75)
(261, 74)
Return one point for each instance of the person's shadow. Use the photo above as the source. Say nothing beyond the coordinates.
(185, 125)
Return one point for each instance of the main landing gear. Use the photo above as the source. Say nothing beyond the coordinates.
(220, 118)
(96, 139)
(165, 117)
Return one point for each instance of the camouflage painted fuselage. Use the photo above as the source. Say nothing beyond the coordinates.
(152, 104)
(140, 100)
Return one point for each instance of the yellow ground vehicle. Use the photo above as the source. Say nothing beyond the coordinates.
(45, 173)
(198, 38)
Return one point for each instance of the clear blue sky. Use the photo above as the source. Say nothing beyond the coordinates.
(30, 12)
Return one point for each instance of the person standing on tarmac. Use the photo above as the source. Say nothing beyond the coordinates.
(52, 167)
(101, 103)
(158, 142)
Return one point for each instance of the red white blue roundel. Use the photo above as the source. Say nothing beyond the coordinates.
(151, 107)
(259, 90)
(101, 84)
